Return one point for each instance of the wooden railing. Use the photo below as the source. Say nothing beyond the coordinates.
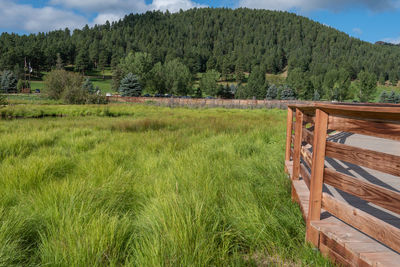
(308, 130)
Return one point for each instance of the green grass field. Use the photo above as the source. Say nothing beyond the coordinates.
(147, 186)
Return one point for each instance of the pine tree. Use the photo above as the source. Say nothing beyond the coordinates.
(257, 86)
(82, 61)
(316, 96)
(8, 82)
(59, 62)
(287, 93)
(391, 97)
(383, 97)
(272, 92)
(130, 86)
(88, 87)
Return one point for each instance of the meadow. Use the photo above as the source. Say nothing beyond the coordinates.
(147, 186)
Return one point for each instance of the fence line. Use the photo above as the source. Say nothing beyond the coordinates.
(208, 103)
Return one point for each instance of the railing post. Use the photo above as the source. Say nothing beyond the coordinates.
(297, 144)
(289, 133)
(317, 174)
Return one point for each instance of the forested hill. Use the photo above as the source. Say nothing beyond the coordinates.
(209, 38)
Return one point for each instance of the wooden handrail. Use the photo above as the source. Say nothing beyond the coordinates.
(376, 120)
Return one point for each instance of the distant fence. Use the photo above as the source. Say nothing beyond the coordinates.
(208, 103)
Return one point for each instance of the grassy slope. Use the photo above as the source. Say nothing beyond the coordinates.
(174, 187)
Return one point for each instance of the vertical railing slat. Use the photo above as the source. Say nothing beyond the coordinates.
(297, 144)
(317, 173)
(289, 133)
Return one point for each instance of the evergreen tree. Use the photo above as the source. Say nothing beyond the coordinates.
(383, 97)
(287, 93)
(8, 82)
(391, 97)
(367, 85)
(88, 87)
(257, 85)
(397, 99)
(59, 62)
(103, 58)
(316, 96)
(272, 92)
(393, 77)
(82, 61)
(130, 86)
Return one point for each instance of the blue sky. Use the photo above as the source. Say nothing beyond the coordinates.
(369, 20)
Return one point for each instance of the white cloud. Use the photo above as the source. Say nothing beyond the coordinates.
(395, 40)
(357, 31)
(173, 5)
(106, 6)
(113, 10)
(27, 18)
(308, 5)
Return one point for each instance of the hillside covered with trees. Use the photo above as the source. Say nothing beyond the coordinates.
(320, 60)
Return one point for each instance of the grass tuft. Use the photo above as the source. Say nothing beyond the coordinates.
(147, 186)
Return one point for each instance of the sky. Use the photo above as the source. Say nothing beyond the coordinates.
(368, 20)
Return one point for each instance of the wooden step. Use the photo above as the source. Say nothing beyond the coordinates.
(349, 247)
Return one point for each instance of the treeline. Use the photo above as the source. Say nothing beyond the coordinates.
(229, 41)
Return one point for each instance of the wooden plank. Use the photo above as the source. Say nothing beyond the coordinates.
(368, 224)
(308, 136)
(302, 194)
(379, 161)
(381, 112)
(338, 259)
(336, 251)
(308, 119)
(379, 259)
(297, 144)
(381, 129)
(378, 195)
(289, 133)
(289, 167)
(305, 174)
(306, 155)
(317, 168)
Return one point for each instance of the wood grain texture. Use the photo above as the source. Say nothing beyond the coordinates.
(289, 133)
(307, 156)
(378, 195)
(305, 174)
(379, 161)
(383, 129)
(368, 224)
(308, 136)
(317, 168)
(297, 144)
(308, 119)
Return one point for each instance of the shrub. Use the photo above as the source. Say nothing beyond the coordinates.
(75, 95)
(57, 81)
(3, 100)
(96, 99)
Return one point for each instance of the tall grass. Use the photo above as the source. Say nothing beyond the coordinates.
(158, 187)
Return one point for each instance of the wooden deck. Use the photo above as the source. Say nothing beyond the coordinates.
(357, 180)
